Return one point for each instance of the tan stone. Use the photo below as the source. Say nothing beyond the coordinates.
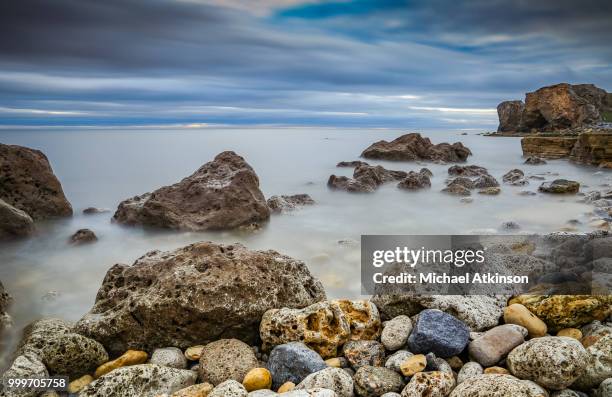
(551, 147)
(520, 315)
(194, 353)
(257, 379)
(285, 387)
(130, 357)
(199, 390)
(414, 364)
(496, 370)
(363, 318)
(76, 385)
(455, 362)
(334, 362)
(571, 333)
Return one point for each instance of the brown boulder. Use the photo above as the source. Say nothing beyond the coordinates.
(27, 183)
(195, 295)
(467, 170)
(411, 147)
(416, 180)
(366, 178)
(222, 194)
(510, 115)
(284, 203)
(560, 186)
(83, 236)
(351, 164)
(14, 222)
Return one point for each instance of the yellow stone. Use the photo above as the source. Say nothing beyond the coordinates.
(414, 364)
(496, 370)
(571, 333)
(76, 385)
(520, 315)
(455, 362)
(130, 357)
(334, 362)
(199, 390)
(193, 353)
(285, 387)
(257, 379)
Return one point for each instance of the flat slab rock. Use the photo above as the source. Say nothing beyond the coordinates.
(412, 147)
(195, 295)
(222, 194)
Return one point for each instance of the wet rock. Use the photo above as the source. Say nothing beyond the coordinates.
(188, 296)
(257, 379)
(412, 147)
(229, 388)
(493, 386)
(510, 115)
(375, 381)
(130, 357)
(457, 190)
(485, 181)
(560, 186)
(140, 380)
(169, 357)
(226, 359)
(83, 236)
(95, 211)
(439, 333)
(351, 164)
(552, 362)
(593, 149)
(534, 160)
(365, 179)
(329, 378)
(514, 177)
(490, 191)
(27, 183)
(5, 301)
(222, 194)
(414, 181)
(395, 360)
(284, 203)
(469, 370)
(61, 350)
(495, 344)
(467, 170)
(14, 223)
(27, 365)
(79, 384)
(478, 312)
(550, 147)
(292, 362)
(193, 353)
(395, 334)
(599, 365)
(429, 384)
(604, 389)
(510, 225)
(364, 352)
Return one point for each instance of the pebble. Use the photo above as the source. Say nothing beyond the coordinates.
(496, 370)
(257, 379)
(334, 379)
(395, 333)
(375, 381)
(194, 353)
(130, 357)
(600, 359)
(229, 388)
(552, 362)
(78, 384)
(604, 389)
(364, 352)
(285, 387)
(455, 362)
(199, 390)
(414, 364)
(395, 360)
(429, 384)
(495, 344)
(169, 357)
(492, 386)
(469, 370)
(226, 359)
(391, 395)
(570, 333)
(567, 393)
(292, 362)
(337, 362)
(537, 390)
(439, 333)
(520, 315)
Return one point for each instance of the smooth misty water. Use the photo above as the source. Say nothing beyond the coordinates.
(102, 167)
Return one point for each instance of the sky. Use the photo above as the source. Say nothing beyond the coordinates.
(335, 63)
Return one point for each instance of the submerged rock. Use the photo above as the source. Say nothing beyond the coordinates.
(83, 236)
(411, 147)
(27, 183)
(416, 180)
(366, 179)
(534, 160)
(560, 186)
(188, 296)
(351, 164)
(95, 211)
(14, 222)
(467, 170)
(284, 203)
(5, 301)
(222, 194)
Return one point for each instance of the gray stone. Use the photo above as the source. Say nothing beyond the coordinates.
(226, 359)
(293, 362)
(396, 359)
(364, 352)
(439, 333)
(429, 384)
(14, 222)
(395, 333)
(169, 357)
(279, 204)
(560, 186)
(493, 385)
(599, 365)
(604, 389)
(229, 388)
(375, 381)
(469, 370)
(334, 379)
(27, 365)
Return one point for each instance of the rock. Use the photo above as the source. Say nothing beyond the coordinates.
(197, 390)
(329, 378)
(78, 384)
(568, 393)
(5, 301)
(570, 333)
(413, 364)
(61, 350)
(469, 370)
(395, 360)
(27, 183)
(257, 379)
(439, 333)
(140, 380)
(27, 365)
(461, 181)
(534, 160)
(485, 181)
(95, 211)
(226, 359)
(495, 344)
(322, 326)
(429, 384)
(194, 353)
(14, 223)
(364, 352)
(520, 315)
(510, 225)
(477, 312)
(467, 170)
(415, 180)
(375, 381)
(536, 389)
(187, 296)
(513, 176)
(604, 389)
(130, 357)
(560, 186)
(496, 370)
(365, 179)
(599, 365)
(284, 203)
(337, 362)
(351, 164)
(222, 194)
(395, 333)
(593, 149)
(363, 318)
(412, 147)
(169, 357)
(550, 147)
(292, 362)
(457, 190)
(552, 362)
(455, 363)
(493, 386)
(565, 311)
(229, 388)
(83, 236)
(490, 191)
(318, 392)
(510, 115)
(285, 387)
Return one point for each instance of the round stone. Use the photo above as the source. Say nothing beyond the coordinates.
(169, 357)
(194, 353)
(335, 379)
(469, 370)
(364, 352)
(414, 364)
(226, 359)
(395, 333)
(257, 379)
(520, 315)
(375, 381)
(292, 362)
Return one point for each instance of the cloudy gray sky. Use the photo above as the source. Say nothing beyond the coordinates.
(374, 63)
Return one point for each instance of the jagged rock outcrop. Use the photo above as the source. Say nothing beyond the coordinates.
(14, 222)
(366, 179)
(412, 147)
(27, 183)
(195, 295)
(510, 115)
(222, 194)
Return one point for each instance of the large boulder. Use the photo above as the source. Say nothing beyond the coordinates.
(222, 194)
(27, 183)
(195, 295)
(510, 115)
(412, 147)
